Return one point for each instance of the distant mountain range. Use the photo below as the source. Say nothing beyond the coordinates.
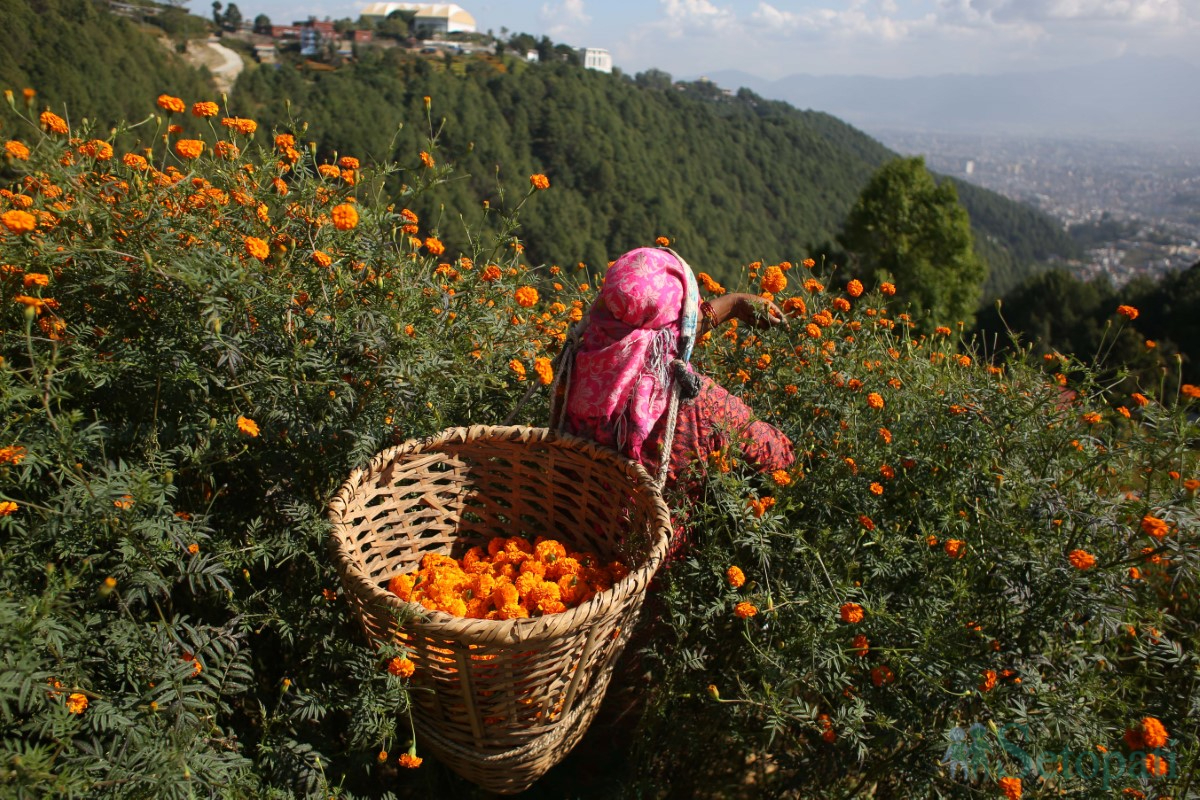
(1128, 97)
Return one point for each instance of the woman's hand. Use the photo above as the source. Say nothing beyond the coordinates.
(749, 309)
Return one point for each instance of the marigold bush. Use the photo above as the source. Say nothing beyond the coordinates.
(201, 340)
(965, 546)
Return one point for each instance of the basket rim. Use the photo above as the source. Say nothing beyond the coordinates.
(512, 631)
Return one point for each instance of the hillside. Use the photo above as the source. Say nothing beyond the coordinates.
(726, 178)
(723, 177)
(86, 62)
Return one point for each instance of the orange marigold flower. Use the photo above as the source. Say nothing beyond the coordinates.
(813, 331)
(1140, 399)
(781, 477)
(989, 680)
(662, 241)
(205, 108)
(135, 162)
(426, 159)
(12, 454)
(19, 221)
(247, 426)
(240, 124)
(1191, 484)
(861, 645)
(876, 488)
(53, 123)
(851, 612)
(1081, 559)
(172, 104)
(1156, 765)
(736, 577)
(1011, 788)
(257, 248)
(526, 296)
(955, 548)
(345, 216)
(854, 288)
(518, 368)
(773, 280)
(745, 610)
(1129, 312)
(710, 286)
(882, 675)
(189, 148)
(875, 400)
(284, 142)
(193, 548)
(321, 258)
(77, 703)
(1189, 390)
(490, 274)
(8, 507)
(17, 150)
(544, 370)
(328, 171)
(401, 667)
(1154, 733)
(886, 435)
(348, 162)
(813, 286)
(1154, 526)
(866, 522)
(1092, 418)
(434, 246)
(538, 181)
(887, 288)
(409, 761)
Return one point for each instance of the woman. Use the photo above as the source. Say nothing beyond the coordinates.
(636, 342)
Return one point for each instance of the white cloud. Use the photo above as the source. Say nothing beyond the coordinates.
(692, 14)
(564, 17)
(1142, 12)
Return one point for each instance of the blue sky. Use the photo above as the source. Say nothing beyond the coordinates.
(898, 38)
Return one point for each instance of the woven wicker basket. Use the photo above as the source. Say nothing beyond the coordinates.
(499, 701)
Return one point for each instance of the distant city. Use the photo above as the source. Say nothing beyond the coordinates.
(1142, 198)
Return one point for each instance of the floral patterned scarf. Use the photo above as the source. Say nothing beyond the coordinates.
(643, 319)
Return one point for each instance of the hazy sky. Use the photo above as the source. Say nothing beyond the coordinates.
(869, 37)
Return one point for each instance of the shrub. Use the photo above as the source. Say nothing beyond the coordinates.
(197, 349)
(961, 546)
(200, 341)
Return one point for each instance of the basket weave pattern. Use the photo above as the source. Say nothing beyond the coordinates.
(500, 701)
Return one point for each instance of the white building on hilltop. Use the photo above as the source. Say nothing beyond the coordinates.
(596, 58)
(430, 19)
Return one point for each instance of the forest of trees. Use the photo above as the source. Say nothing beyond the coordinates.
(729, 179)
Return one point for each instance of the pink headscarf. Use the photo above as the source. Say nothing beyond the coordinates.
(620, 382)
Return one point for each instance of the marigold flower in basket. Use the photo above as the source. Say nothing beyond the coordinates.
(513, 578)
